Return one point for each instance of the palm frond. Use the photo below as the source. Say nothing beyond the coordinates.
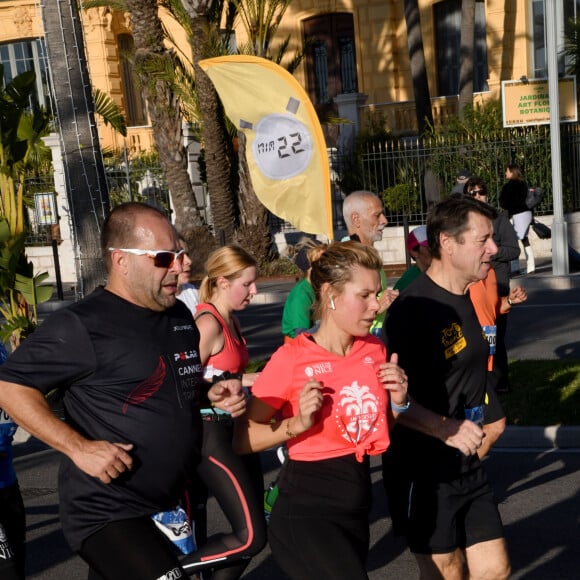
(110, 112)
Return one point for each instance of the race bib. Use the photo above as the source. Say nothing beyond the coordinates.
(491, 335)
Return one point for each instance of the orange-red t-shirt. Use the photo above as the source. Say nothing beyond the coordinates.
(353, 418)
(233, 357)
(487, 302)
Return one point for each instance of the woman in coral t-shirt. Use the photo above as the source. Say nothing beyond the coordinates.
(329, 393)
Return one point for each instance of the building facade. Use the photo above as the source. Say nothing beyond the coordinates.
(357, 58)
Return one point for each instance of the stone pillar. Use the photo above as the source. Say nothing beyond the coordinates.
(65, 248)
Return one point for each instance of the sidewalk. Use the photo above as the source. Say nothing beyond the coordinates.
(271, 291)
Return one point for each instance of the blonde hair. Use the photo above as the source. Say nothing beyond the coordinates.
(228, 262)
(335, 267)
(315, 252)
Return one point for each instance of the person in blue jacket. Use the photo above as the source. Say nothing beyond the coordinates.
(12, 517)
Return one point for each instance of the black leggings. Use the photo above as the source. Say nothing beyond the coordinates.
(130, 550)
(319, 526)
(13, 524)
(237, 484)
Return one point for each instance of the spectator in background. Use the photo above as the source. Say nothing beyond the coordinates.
(508, 249)
(298, 314)
(186, 291)
(12, 515)
(418, 248)
(488, 307)
(512, 198)
(364, 216)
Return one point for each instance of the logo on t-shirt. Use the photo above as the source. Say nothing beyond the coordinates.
(357, 412)
(453, 340)
(318, 369)
(182, 327)
(147, 388)
(188, 354)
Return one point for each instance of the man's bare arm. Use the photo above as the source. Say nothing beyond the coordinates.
(463, 435)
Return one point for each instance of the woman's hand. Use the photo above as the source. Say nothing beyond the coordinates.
(228, 396)
(395, 380)
(309, 403)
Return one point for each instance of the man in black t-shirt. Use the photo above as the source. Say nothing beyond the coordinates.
(437, 489)
(127, 361)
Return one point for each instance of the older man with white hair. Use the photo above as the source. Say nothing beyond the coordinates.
(364, 216)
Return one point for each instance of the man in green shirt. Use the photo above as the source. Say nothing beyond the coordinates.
(418, 248)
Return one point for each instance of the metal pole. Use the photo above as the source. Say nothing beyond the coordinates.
(560, 264)
(57, 270)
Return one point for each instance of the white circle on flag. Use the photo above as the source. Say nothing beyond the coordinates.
(282, 147)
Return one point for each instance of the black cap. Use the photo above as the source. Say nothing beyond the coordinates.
(463, 174)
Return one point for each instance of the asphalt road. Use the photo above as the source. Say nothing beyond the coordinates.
(538, 490)
(544, 327)
(538, 493)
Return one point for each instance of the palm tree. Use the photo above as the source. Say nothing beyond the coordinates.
(151, 55)
(418, 67)
(467, 55)
(21, 135)
(242, 216)
(220, 158)
(261, 20)
(572, 47)
(165, 115)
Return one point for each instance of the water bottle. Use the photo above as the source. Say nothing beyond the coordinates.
(270, 496)
(475, 414)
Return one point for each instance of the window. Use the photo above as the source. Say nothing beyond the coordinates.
(134, 105)
(448, 41)
(564, 11)
(25, 55)
(538, 39)
(330, 57)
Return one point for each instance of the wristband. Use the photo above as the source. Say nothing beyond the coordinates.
(225, 376)
(400, 408)
(509, 301)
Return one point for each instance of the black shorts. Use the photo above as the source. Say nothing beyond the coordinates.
(444, 516)
(132, 548)
(493, 411)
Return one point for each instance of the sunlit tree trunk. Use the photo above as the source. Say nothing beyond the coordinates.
(418, 67)
(467, 56)
(165, 115)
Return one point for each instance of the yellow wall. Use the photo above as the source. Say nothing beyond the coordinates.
(382, 52)
(380, 30)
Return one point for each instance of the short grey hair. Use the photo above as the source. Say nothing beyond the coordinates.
(354, 202)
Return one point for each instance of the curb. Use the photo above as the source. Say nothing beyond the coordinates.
(533, 282)
(551, 437)
(270, 297)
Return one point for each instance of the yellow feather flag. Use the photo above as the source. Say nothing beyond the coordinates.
(285, 146)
